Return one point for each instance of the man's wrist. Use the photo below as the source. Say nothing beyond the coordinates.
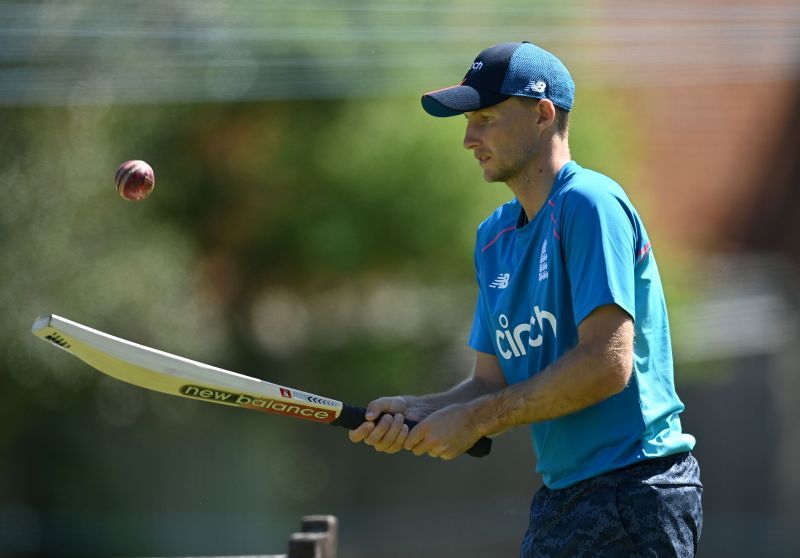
(483, 415)
(415, 402)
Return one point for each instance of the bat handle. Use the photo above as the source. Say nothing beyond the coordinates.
(353, 417)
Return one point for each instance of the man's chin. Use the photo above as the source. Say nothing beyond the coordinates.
(489, 174)
(492, 176)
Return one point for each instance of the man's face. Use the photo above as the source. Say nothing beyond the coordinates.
(504, 138)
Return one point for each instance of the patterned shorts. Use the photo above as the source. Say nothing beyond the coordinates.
(648, 509)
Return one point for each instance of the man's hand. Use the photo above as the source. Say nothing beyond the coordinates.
(450, 411)
(446, 434)
(388, 434)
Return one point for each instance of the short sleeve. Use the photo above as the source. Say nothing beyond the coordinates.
(598, 239)
(480, 337)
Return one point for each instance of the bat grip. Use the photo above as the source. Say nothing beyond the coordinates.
(353, 417)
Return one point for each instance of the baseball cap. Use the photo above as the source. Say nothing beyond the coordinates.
(502, 71)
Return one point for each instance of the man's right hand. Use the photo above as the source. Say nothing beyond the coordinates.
(388, 434)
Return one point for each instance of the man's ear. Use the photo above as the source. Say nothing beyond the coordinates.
(547, 114)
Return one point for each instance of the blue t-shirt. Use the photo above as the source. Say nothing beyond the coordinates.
(538, 280)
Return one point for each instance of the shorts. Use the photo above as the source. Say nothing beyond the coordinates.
(648, 509)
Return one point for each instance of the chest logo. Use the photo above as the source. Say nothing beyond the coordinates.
(543, 273)
(501, 282)
(512, 342)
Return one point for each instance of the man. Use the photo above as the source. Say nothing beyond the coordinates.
(570, 332)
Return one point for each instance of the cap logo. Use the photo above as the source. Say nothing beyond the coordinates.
(477, 65)
(536, 86)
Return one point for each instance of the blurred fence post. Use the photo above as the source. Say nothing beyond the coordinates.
(307, 545)
(327, 525)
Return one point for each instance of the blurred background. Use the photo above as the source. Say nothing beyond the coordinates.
(312, 226)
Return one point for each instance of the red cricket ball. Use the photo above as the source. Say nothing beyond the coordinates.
(135, 180)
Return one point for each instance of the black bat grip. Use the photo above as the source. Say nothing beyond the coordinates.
(353, 417)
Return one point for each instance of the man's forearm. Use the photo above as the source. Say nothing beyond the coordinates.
(581, 378)
(468, 390)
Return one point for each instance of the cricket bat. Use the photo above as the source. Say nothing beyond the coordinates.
(174, 375)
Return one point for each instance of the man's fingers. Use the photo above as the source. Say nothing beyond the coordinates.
(381, 427)
(397, 445)
(385, 429)
(361, 432)
(389, 439)
(416, 442)
(420, 442)
(387, 435)
(422, 449)
(385, 405)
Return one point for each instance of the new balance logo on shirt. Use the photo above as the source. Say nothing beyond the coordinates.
(501, 282)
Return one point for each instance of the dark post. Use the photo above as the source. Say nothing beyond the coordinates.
(326, 524)
(307, 545)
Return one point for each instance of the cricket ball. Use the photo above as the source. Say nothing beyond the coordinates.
(135, 180)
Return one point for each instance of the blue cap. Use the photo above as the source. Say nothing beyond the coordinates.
(503, 71)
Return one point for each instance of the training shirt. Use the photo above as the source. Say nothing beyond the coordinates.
(538, 280)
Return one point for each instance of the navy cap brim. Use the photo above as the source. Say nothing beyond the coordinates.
(452, 101)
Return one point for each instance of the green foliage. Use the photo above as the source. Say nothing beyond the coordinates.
(605, 138)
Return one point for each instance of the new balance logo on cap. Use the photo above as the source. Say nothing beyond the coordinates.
(536, 86)
(501, 282)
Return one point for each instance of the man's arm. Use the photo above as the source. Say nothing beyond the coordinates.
(597, 368)
(487, 377)
(388, 434)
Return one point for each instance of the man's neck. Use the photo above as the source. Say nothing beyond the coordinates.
(532, 186)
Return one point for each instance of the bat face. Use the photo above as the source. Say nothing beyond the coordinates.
(156, 370)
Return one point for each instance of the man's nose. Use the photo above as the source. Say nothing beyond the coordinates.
(470, 138)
